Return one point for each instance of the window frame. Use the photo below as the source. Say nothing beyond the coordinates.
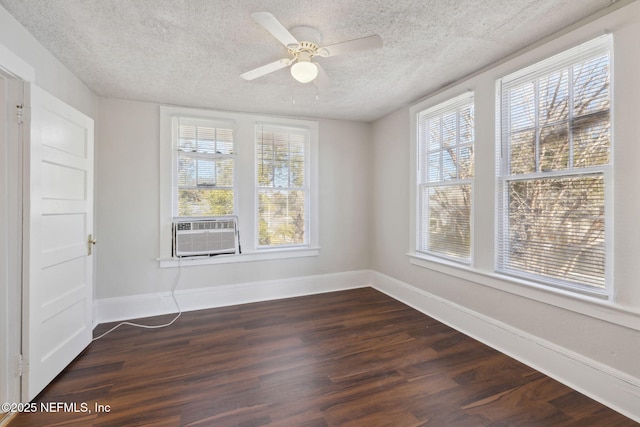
(305, 187)
(423, 171)
(175, 123)
(245, 183)
(567, 58)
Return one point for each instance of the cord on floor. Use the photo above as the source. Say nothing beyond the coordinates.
(173, 295)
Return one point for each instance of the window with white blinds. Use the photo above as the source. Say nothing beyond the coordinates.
(262, 170)
(281, 156)
(445, 173)
(554, 160)
(204, 184)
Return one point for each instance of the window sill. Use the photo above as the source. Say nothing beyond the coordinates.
(271, 254)
(597, 306)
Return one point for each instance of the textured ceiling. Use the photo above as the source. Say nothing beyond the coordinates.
(192, 52)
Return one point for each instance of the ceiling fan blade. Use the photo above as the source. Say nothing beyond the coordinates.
(271, 24)
(365, 43)
(266, 69)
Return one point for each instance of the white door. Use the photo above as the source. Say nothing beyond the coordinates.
(58, 272)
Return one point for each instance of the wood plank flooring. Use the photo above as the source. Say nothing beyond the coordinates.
(350, 358)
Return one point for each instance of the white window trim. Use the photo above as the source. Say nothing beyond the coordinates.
(442, 106)
(245, 194)
(603, 43)
(426, 107)
(307, 189)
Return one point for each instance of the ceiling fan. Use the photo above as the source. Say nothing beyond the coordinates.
(302, 43)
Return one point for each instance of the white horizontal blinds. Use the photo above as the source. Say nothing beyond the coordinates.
(205, 167)
(556, 149)
(281, 154)
(445, 173)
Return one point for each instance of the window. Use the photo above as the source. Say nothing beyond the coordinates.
(205, 165)
(261, 169)
(445, 172)
(281, 185)
(554, 169)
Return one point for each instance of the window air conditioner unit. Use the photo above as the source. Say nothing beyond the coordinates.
(205, 236)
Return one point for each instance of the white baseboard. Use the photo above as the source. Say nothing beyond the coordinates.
(612, 388)
(138, 306)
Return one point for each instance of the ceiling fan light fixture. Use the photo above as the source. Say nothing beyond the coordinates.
(304, 70)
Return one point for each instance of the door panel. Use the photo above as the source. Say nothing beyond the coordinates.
(58, 276)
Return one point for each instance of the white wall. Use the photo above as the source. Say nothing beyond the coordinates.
(128, 206)
(606, 333)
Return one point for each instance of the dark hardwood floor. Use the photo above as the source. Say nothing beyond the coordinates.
(351, 358)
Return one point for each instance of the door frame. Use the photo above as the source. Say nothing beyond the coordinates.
(21, 73)
(10, 236)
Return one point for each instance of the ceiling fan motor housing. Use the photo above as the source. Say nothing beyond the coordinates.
(308, 40)
(304, 49)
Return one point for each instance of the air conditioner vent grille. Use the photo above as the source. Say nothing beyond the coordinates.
(205, 237)
(213, 225)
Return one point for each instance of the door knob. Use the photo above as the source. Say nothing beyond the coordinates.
(91, 242)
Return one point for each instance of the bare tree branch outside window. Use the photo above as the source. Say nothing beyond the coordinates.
(446, 144)
(557, 138)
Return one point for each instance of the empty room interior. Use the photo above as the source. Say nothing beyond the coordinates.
(319, 213)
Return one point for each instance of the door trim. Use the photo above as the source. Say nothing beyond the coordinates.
(13, 72)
